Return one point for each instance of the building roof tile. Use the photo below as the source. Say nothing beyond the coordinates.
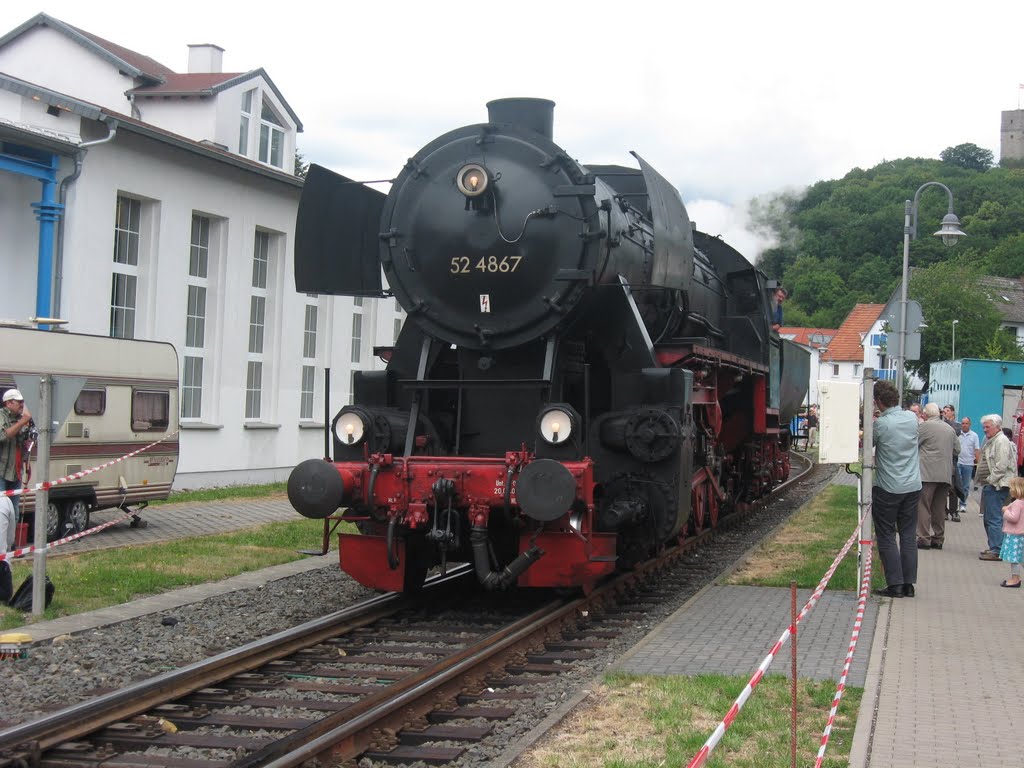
(846, 345)
(151, 68)
(809, 337)
(1006, 295)
(187, 84)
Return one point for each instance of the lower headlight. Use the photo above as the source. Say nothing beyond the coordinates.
(556, 424)
(350, 427)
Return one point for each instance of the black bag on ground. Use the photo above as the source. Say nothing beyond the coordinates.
(6, 583)
(22, 599)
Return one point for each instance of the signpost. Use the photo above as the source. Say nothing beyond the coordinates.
(45, 396)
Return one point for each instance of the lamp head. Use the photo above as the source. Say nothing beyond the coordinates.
(950, 231)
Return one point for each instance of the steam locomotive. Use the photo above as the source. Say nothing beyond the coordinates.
(583, 377)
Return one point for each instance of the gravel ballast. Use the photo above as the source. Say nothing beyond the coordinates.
(71, 668)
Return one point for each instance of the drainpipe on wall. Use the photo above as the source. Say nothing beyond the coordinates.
(66, 182)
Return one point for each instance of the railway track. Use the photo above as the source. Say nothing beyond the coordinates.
(389, 681)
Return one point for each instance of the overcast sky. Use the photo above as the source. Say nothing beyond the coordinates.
(728, 100)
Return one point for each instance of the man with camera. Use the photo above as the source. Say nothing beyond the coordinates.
(14, 433)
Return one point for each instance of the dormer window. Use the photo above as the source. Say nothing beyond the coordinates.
(271, 136)
(243, 127)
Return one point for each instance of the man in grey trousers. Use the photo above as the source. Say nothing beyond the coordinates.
(938, 447)
(897, 488)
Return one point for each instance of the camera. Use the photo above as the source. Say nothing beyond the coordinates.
(30, 431)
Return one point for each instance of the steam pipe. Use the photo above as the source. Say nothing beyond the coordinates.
(507, 576)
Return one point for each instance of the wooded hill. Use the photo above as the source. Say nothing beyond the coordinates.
(840, 242)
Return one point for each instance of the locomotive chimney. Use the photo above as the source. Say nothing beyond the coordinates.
(537, 115)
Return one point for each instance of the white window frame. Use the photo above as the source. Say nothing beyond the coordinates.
(258, 343)
(357, 331)
(253, 390)
(261, 342)
(200, 282)
(307, 389)
(124, 283)
(245, 122)
(271, 129)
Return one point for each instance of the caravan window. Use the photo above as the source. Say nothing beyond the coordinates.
(91, 402)
(151, 410)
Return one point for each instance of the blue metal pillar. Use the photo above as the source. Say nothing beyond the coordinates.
(48, 212)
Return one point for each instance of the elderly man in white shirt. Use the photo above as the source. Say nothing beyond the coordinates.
(995, 470)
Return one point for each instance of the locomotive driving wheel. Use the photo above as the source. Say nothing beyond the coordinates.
(706, 507)
(713, 507)
(698, 508)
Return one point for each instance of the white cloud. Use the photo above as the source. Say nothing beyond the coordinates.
(727, 100)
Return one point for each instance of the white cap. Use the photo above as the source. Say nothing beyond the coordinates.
(12, 394)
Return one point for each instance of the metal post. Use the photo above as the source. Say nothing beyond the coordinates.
(44, 423)
(867, 470)
(953, 353)
(792, 716)
(901, 363)
(949, 232)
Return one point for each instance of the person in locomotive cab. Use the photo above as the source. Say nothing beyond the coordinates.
(14, 420)
(896, 491)
(778, 297)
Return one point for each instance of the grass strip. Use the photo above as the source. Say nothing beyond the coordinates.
(228, 492)
(93, 580)
(804, 548)
(636, 721)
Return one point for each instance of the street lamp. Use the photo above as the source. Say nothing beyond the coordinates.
(953, 355)
(950, 232)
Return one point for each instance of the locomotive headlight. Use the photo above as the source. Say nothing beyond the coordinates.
(557, 423)
(350, 428)
(472, 180)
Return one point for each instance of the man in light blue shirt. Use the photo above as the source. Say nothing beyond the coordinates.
(970, 452)
(897, 487)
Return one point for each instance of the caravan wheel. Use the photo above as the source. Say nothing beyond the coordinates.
(77, 515)
(54, 521)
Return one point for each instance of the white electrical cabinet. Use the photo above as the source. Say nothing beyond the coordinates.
(839, 422)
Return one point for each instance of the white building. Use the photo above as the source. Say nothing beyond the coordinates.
(859, 342)
(862, 342)
(1007, 296)
(140, 202)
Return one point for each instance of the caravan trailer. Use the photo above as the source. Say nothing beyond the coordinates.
(129, 400)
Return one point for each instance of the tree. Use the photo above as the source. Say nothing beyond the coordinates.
(969, 156)
(1002, 346)
(301, 168)
(948, 291)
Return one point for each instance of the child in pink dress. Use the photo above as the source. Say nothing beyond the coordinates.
(1012, 551)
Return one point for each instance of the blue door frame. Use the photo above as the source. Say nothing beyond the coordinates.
(42, 166)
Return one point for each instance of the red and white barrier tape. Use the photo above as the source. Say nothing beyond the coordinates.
(841, 687)
(15, 553)
(77, 475)
(702, 755)
(49, 484)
